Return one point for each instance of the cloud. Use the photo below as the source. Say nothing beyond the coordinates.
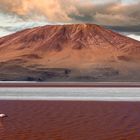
(136, 37)
(110, 12)
(119, 15)
(10, 24)
(52, 10)
(9, 29)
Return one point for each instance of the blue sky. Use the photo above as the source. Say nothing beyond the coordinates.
(120, 15)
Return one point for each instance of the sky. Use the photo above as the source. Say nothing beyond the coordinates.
(122, 16)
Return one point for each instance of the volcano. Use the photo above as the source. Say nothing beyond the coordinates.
(77, 52)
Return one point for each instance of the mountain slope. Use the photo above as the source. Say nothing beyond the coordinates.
(78, 52)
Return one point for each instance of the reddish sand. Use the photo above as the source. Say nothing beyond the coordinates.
(59, 120)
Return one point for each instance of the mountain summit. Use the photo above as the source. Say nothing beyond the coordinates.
(74, 52)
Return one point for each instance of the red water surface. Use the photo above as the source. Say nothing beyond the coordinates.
(70, 120)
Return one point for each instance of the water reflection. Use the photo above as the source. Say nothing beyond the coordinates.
(1, 124)
(1, 127)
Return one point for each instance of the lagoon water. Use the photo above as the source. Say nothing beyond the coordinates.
(70, 114)
(70, 120)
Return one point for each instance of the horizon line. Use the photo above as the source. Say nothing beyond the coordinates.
(34, 84)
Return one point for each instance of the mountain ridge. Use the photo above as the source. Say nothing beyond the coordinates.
(83, 49)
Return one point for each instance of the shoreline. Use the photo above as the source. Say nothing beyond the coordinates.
(25, 84)
(116, 100)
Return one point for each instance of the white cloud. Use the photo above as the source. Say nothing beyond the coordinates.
(22, 14)
(10, 24)
(136, 37)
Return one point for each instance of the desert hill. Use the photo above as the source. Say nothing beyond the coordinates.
(77, 52)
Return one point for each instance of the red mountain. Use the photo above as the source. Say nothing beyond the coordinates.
(75, 52)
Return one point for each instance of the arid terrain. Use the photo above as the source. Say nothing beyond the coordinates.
(77, 52)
